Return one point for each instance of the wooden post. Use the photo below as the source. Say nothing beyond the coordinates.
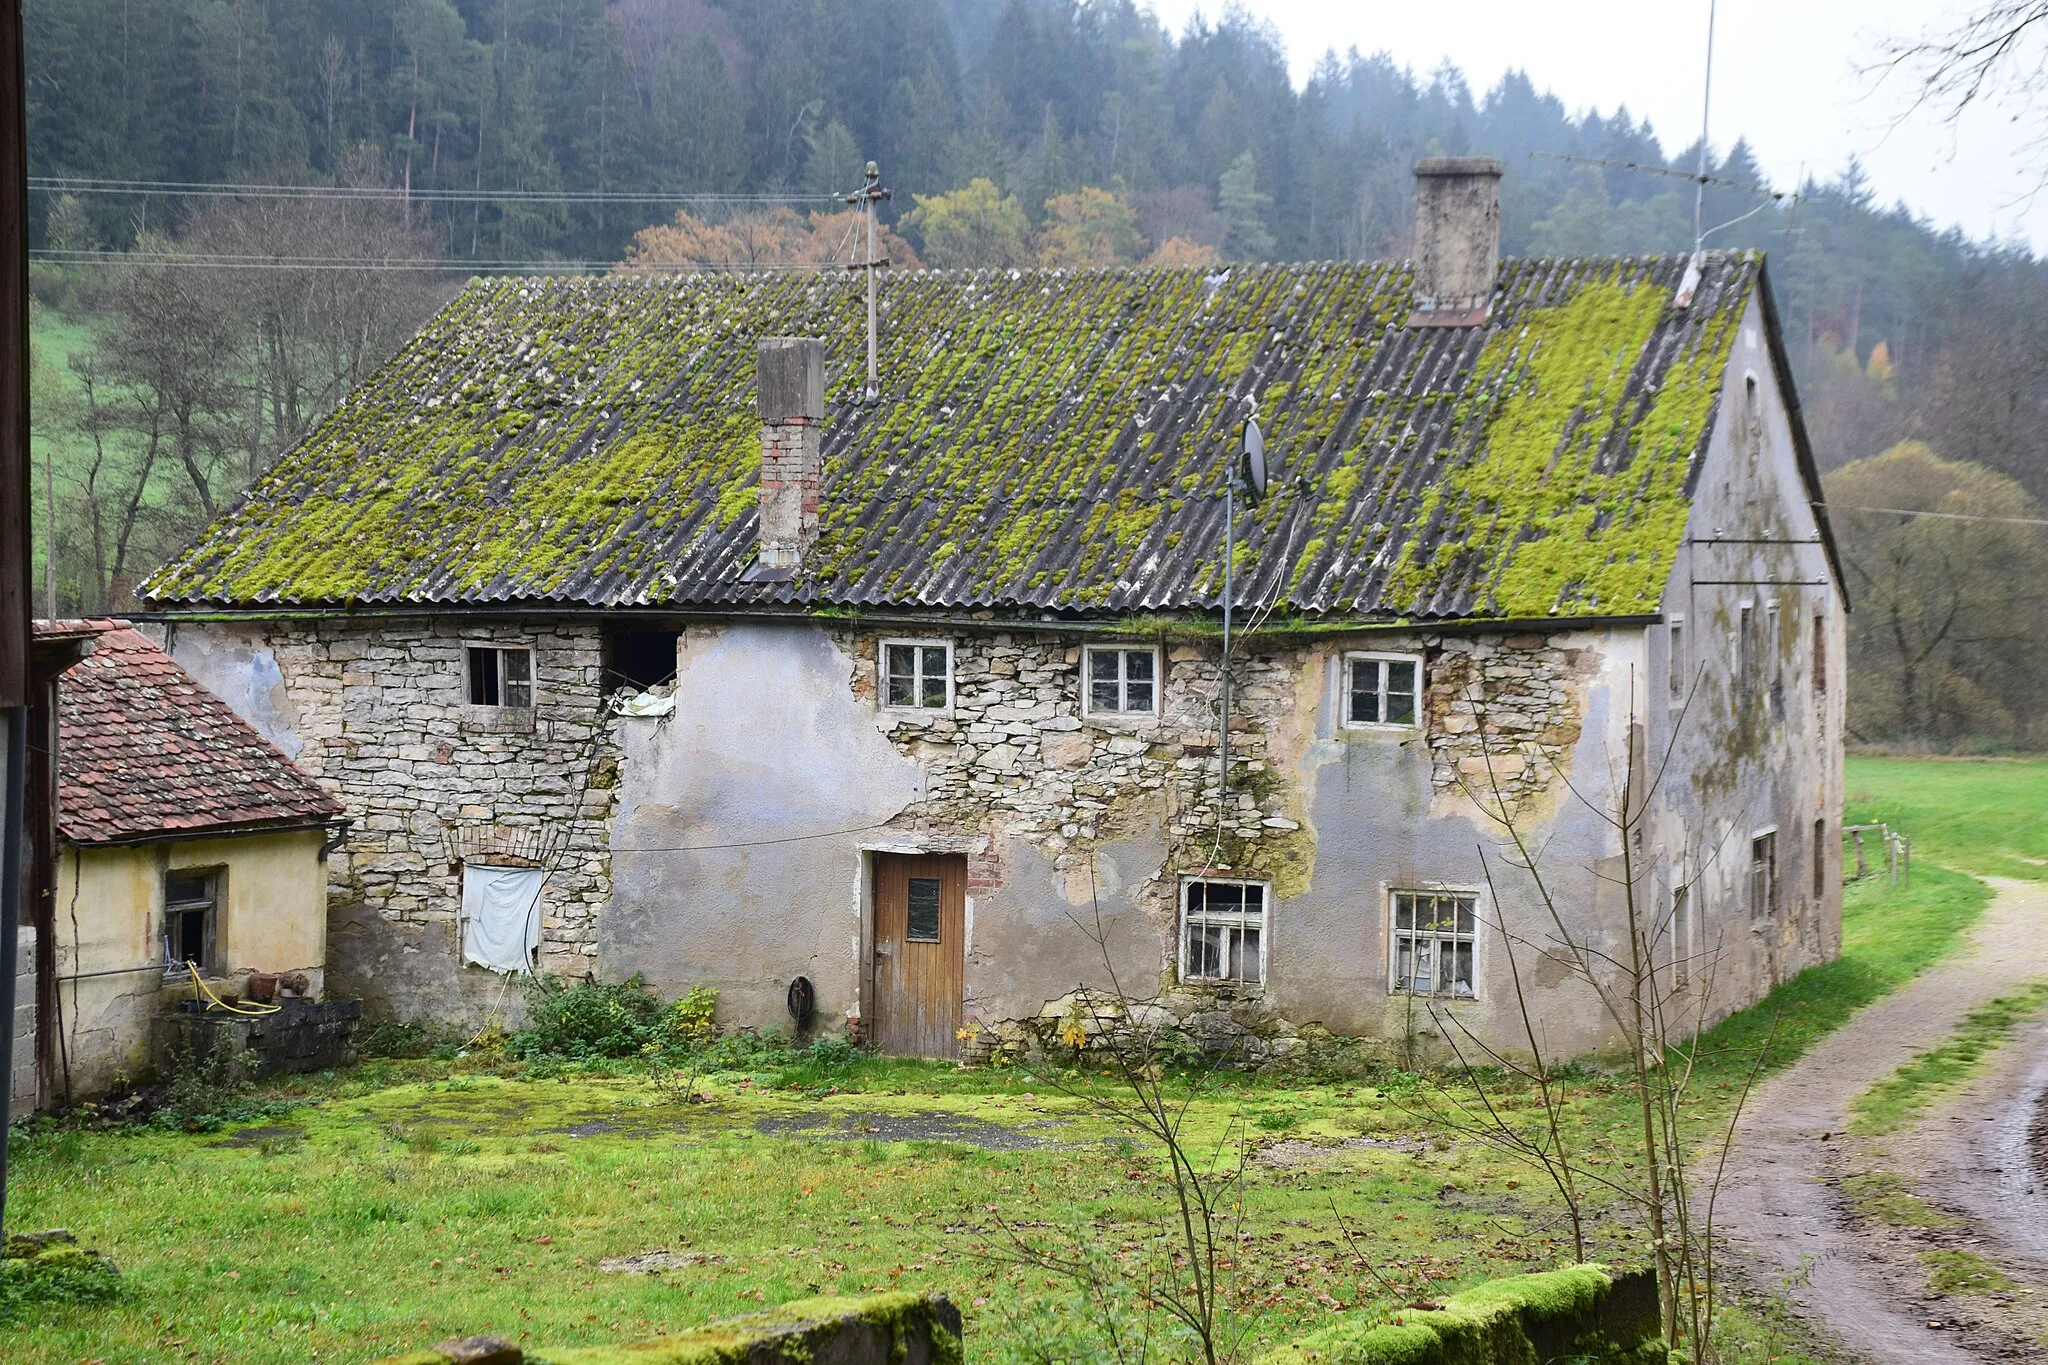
(16, 575)
(1862, 863)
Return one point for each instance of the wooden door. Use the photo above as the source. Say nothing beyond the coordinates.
(920, 944)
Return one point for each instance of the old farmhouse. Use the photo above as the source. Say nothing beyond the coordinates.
(622, 659)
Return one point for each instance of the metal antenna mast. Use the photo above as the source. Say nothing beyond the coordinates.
(868, 196)
(1699, 193)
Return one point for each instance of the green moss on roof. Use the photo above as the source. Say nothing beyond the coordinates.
(1044, 440)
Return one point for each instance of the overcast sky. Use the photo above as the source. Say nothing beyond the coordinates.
(1786, 75)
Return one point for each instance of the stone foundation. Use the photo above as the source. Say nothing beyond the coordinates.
(303, 1035)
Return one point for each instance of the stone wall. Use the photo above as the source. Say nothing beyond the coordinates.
(1016, 771)
(378, 712)
(880, 1329)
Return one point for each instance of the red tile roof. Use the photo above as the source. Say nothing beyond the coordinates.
(145, 752)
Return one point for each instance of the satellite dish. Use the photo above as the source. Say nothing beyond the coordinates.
(1254, 467)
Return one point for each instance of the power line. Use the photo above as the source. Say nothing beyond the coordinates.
(1950, 516)
(225, 261)
(67, 184)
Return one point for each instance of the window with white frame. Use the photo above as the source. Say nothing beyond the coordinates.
(1223, 931)
(1381, 689)
(1122, 681)
(917, 675)
(1435, 943)
(1763, 876)
(1681, 933)
(499, 676)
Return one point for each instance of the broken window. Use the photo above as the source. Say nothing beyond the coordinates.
(1122, 682)
(188, 919)
(1435, 938)
(1820, 859)
(1763, 876)
(1381, 689)
(916, 675)
(500, 676)
(923, 925)
(635, 660)
(1676, 632)
(1223, 931)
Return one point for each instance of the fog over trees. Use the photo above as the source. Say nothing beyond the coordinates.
(1012, 132)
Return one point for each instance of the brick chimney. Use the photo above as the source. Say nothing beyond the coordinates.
(1457, 239)
(790, 382)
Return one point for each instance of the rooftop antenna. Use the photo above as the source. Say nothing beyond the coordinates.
(868, 196)
(1699, 194)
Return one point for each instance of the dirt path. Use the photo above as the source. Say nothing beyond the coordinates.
(1862, 1280)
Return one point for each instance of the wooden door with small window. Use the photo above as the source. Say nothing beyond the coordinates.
(920, 947)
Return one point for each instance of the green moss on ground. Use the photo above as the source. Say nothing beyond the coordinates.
(1914, 1085)
(1492, 1324)
(1965, 1272)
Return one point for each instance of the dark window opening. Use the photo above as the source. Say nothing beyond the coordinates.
(924, 910)
(188, 919)
(1820, 859)
(500, 677)
(635, 660)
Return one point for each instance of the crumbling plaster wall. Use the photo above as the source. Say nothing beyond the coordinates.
(271, 917)
(1748, 759)
(377, 710)
(1073, 824)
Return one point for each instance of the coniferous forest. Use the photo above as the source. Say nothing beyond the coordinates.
(453, 137)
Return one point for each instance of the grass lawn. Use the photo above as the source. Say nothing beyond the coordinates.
(406, 1202)
(1987, 816)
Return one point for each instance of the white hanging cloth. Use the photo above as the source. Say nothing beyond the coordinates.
(500, 916)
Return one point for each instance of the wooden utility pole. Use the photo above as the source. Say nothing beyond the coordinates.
(868, 196)
(16, 575)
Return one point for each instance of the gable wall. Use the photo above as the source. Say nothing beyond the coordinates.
(1769, 757)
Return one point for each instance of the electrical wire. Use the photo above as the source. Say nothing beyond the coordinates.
(215, 189)
(223, 261)
(748, 843)
(1945, 516)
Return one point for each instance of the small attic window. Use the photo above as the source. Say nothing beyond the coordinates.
(500, 677)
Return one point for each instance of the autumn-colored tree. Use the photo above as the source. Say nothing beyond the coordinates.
(1180, 253)
(976, 225)
(762, 239)
(1947, 577)
(1091, 228)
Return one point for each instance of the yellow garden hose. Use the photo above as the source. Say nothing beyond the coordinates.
(200, 982)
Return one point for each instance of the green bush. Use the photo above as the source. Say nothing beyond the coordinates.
(591, 1020)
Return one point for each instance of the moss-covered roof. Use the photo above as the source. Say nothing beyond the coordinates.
(1044, 441)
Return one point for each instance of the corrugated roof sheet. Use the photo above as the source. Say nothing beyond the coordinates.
(145, 752)
(1045, 441)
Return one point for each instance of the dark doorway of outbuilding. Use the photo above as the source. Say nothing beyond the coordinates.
(920, 963)
(635, 660)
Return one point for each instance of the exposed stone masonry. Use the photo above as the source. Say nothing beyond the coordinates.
(1501, 714)
(426, 777)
